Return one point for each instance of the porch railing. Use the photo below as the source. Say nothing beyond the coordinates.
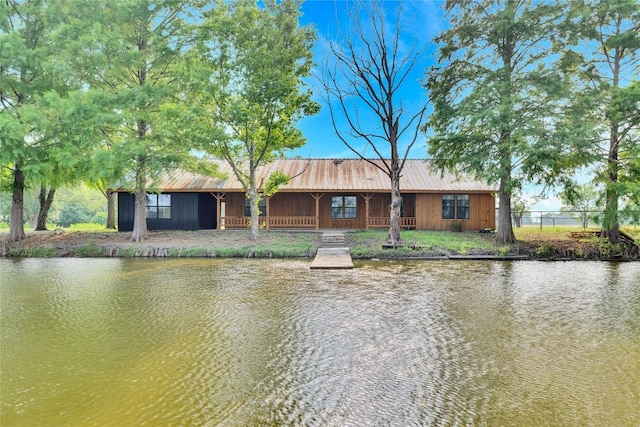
(274, 221)
(307, 222)
(384, 222)
(292, 221)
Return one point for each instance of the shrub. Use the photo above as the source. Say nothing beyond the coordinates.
(99, 218)
(546, 250)
(456, 225)
(74, 213)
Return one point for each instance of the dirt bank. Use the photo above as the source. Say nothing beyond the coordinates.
(275, 244)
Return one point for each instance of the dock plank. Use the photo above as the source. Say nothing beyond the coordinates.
(332, 258)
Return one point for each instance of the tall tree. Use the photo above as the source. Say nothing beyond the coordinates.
(494, 94)
(128, 54)
(607, 53)
(369, 69)
(29, 74)
(247, 90)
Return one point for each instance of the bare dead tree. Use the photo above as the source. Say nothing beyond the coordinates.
(367, 68)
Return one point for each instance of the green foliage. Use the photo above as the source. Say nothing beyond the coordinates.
(35, 84)
(99, 218)
(129, 55)
(546, 250)
(90, 251)
(74, 213)
(368, 244)
(457, 225)
(244, 100)
(581, 201)
(603, 41)
(497, 98)
(276, 179)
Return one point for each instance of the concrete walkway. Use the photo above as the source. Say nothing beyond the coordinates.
(332, 253)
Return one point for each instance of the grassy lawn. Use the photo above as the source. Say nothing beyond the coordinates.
(95, 240)
(534, 232)
(365, 244)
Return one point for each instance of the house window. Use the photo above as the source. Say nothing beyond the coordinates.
(343, 207)
(158, 206)
(455, 206)
(262, 206)
(462, 206)
(448, 206)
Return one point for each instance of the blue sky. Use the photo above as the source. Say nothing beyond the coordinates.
(422, 21)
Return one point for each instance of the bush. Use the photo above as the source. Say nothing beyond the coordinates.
(74, 213)
(100, 218)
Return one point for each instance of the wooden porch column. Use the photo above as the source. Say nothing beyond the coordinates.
(218, 197)
(317, 197)
(366, 198)
(266, 219)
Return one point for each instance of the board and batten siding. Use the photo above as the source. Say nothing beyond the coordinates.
(184, 213)
(427, 209)
(429, 212)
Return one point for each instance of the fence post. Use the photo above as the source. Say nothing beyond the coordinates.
(540, 220)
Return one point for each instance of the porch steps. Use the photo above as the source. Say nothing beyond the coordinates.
(332, 253)
(332, 240)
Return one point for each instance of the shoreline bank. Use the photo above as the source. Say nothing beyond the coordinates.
(293, 244)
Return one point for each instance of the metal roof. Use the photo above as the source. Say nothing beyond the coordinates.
(327, 175)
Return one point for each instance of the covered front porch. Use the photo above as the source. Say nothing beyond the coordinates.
(315, 211)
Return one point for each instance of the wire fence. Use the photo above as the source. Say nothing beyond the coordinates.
(580, 219)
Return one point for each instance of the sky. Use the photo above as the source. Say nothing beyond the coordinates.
(422, 21)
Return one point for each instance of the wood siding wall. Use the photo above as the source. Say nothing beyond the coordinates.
(429, 212)
(193, 211)
(427, 209)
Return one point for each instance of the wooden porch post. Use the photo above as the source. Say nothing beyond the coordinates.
(266, 219)
(218, 197)
(366, 198)
(317, 197)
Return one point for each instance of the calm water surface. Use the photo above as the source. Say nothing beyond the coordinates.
(111, 342)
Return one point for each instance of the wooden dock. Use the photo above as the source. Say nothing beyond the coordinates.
(332, 254)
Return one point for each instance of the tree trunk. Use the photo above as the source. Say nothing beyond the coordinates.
(16, 228)
(394, 209)
(517, 219)
(505, 228)
(254, 206)
(611, 222)
(140, 217)
(140, 209)
(46, 200)
(111, 210)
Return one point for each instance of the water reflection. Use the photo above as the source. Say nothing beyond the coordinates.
(265, 342)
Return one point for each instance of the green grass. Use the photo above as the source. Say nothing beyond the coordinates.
(85, 227)
(527, 231)
(369, 243)
(90, 251)
(34, 252)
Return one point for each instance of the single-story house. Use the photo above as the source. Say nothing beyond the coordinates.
(323, 194)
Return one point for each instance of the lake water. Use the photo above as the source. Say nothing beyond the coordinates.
(177, 342)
